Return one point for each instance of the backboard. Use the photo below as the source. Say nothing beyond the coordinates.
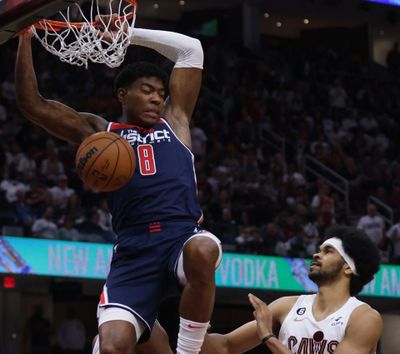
(18, 14)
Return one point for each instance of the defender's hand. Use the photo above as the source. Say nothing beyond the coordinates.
(263, 316)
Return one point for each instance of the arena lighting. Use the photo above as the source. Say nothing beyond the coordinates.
(266, 15)
(279, 24)
(306, 21)
(156, 6)
(387, 2)
(181, 2)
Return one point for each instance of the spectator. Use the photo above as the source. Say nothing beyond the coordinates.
(199, 142)
(23, 211)
(92, 230)
(373, 225)
(249, 240)
(37, 197)
(68, 232)
(39, 330)
(71, 334)
(61, 193)
(75, 212)
(52, 167)
(323, 206)
(27, 166)
(11, 186)
(271, 236)
(338, 99)
(297, 245)
(14, 155)
(226, 229)
(104, 216)
(45, 227)
(393, 59)
(394, 236)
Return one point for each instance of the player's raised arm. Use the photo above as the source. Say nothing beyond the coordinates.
(57, 118)
(185, 80)
(362, 333)
(247, 336)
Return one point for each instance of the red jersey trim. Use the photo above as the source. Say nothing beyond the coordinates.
(112, 125)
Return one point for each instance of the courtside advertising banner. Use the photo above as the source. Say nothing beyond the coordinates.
(91, 261)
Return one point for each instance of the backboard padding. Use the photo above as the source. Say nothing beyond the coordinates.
(28, 13)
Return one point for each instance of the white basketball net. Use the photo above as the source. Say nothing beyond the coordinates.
(78, 42)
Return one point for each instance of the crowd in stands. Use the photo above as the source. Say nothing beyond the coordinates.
(257, 197)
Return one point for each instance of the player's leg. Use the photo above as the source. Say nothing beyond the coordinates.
(157, 344)
(118, 330)
(201, 253)
(128, 304)
(116, 337)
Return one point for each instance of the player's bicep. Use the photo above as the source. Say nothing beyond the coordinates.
(280, 308)
(184, 88)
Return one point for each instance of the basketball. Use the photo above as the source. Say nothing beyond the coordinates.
(105, 161)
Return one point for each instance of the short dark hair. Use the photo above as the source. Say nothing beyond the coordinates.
(363, 251)
(130, 73)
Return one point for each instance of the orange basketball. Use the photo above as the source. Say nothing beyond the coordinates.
(105, 161)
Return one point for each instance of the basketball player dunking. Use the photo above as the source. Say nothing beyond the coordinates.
(161, 247)
(331, 321)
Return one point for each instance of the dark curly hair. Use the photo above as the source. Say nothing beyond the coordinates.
(130, 73)
(363, 251)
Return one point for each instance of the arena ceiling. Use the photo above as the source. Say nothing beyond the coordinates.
(290, 13)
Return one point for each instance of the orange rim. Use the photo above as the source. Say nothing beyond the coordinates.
(60, 25)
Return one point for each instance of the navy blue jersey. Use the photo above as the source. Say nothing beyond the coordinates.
(163, 186)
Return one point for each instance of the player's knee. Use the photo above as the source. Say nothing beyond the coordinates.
(201, 251)
(112, 347)
(163, 335)
(114, 344)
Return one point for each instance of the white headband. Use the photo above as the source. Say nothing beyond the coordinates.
(337, 244)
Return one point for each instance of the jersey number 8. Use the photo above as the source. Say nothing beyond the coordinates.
(147, 163)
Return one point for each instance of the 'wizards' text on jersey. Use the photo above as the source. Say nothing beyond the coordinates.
(163, 186)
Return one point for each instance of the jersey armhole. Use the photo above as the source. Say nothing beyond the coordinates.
(289, 314)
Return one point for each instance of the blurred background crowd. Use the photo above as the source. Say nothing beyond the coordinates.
(287, 141)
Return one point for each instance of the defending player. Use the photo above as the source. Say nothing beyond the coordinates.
(331, 321)
(156, 215)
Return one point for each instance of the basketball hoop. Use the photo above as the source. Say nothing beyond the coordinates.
(77, 43)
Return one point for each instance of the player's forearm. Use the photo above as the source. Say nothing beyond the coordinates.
(184, 51)
(27, 93)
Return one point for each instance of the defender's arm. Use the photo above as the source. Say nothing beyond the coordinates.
(247, 337)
